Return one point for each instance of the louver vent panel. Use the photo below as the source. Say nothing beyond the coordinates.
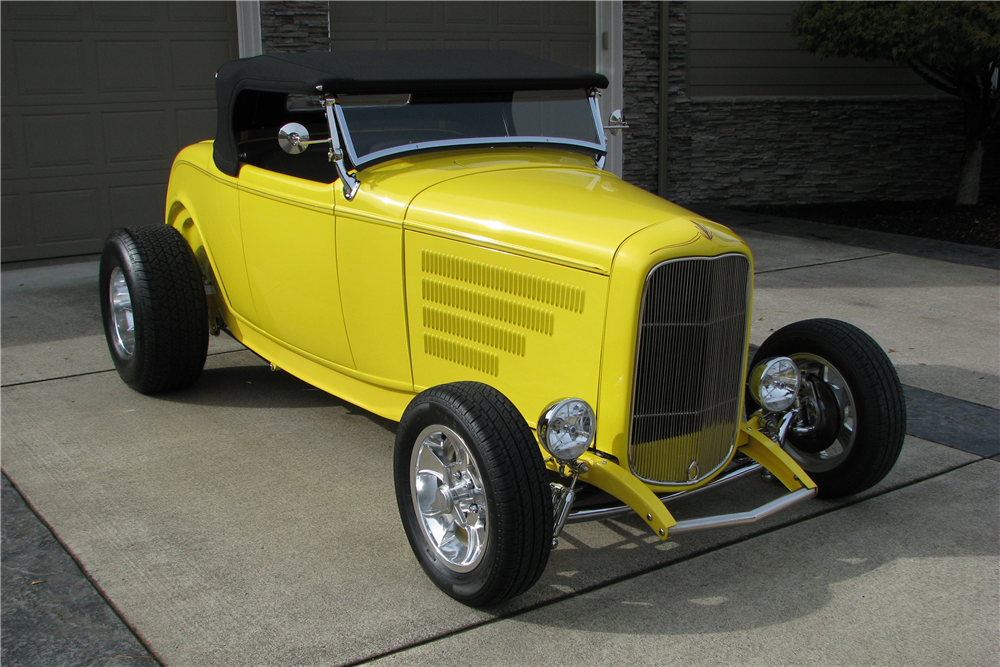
(483, 333)
(534, 288)
(459, 353)
(689, 368)
(488, 305)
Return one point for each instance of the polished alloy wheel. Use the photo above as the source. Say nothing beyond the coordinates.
(449, 498)
(830, 416)
(121, 310)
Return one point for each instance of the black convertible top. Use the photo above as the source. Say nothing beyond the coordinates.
(363, 72)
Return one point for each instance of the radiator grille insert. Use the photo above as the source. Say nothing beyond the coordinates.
(689, 368)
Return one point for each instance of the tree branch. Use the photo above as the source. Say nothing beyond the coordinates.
(934, 78)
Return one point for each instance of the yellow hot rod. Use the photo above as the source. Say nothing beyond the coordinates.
(432, 236)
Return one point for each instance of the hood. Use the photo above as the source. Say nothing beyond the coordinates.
(571, 214)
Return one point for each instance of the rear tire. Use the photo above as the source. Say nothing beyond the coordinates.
(859, 439)
(472, 493)
(154, 308)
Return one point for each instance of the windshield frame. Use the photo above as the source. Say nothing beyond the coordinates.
(598, 150)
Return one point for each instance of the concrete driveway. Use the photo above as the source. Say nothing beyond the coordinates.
(251, 519)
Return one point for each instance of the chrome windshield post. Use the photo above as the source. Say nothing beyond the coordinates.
(595, 107)
(351, 184)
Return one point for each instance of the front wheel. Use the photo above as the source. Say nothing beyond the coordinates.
(851, 419)
(472, 493)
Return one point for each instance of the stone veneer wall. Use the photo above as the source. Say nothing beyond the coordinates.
(748, 150)
(641, 54)
(295, 26)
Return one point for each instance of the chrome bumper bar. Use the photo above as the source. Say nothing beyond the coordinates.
(741, 518)
(708, 522)
(579, 516)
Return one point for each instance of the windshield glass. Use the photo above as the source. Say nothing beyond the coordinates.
(381, 125)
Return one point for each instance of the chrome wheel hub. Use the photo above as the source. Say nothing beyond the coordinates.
(449, 498)
(827, 415)
(121, 313)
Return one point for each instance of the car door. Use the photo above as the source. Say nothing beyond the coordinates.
(290, 244)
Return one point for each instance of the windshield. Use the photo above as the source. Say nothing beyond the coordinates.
(377, 126)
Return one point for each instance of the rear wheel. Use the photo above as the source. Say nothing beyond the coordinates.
(852, 419)
(472, 493)
(154, 308)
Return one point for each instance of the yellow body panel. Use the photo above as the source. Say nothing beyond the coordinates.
(388, 188)
(290, 244)
(370, 260)
(529, 328)
(522, 269)
(766, 452)
(575, 216)
(371, 393)
(210, 200)
(623, 485)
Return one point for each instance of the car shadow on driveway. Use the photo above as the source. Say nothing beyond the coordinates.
(240, 380)
(889, 572)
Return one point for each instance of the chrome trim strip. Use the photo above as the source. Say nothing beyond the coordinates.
(580, 516)
(595, 107)
(349, 143)
(742, 518)
(360, 162)
(479, 141)
(333, 116)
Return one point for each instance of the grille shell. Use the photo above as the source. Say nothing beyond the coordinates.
(688, 381)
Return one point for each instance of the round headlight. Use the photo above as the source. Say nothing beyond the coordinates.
(775, 383)
(566, 428)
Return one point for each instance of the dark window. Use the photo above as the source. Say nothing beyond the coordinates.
(257, 118)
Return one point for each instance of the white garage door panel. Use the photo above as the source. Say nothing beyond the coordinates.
(98, 97)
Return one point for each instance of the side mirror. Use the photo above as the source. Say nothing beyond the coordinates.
(616, 123)
(294, 138)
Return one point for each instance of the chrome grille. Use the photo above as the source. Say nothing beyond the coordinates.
(689, 368)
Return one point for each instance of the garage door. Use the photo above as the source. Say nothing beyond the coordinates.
(563, 32)
(97, 99)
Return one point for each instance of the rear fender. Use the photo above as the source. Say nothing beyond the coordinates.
(179, 217)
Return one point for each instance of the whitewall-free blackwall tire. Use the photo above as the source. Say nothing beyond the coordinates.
(154, 308)
(472, 493)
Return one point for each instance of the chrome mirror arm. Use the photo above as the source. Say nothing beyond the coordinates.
(351, 184)
(616, 123)
(294, 138)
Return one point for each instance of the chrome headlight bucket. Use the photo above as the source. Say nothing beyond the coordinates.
(774, 384)
(566, 428)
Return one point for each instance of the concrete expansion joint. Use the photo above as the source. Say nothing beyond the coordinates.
(86, 373)
(835, 261)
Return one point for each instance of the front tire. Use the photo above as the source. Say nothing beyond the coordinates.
(856, 419)
(154, 308)
(472, 493)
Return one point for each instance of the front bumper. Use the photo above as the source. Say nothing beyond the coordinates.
(637, 497)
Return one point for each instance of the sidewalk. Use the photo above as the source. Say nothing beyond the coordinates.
(214, 522)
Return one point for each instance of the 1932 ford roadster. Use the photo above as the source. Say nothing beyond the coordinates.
(431, 236)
